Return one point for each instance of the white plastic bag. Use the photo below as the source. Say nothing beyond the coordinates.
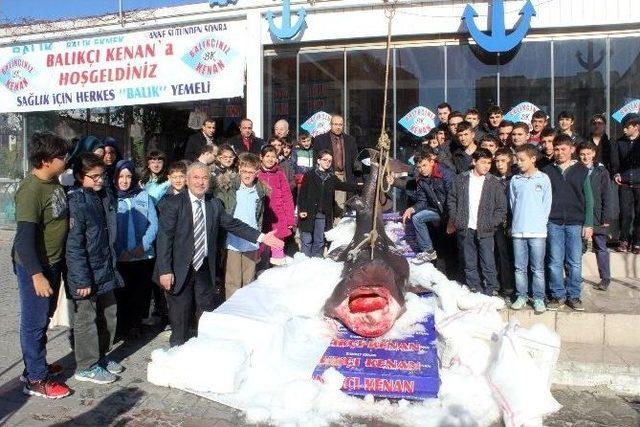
(61, 315)
(518, 383)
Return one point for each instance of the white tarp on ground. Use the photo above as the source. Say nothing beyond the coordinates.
(257, 353)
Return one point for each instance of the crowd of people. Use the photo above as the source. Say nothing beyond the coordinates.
(189, 234)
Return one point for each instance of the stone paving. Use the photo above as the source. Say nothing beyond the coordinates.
(133, 401)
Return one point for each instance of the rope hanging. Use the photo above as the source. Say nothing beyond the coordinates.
(384, 143)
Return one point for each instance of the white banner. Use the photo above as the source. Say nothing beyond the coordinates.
(183, 63)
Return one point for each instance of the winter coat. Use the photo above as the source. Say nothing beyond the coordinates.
(572, 200)
(625, 160)
(139, 211)
(431, 191)
(278, 213)
(603, 152)
(90, 253)
(492, 209)
(238, 145)
(351, 163)
(461, 160)
(226, 192)
(317, 195)
(603, 200)
(156, 190)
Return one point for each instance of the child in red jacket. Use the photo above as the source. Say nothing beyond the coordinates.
(279, 213)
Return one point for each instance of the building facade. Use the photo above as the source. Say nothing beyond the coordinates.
(578, 55)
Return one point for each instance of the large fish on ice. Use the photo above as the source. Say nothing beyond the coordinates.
(370, 295)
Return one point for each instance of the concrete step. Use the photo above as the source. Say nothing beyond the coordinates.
(611, 318)
(622, 265)
(615, 367)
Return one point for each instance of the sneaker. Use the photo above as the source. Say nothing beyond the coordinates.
(519, 303)
(603, 285)
(555, 304)
(622, 247)
(112, 366)
(47, 388)
(54, 370)
(576, 304)
(96, 374)
(427, 256)
(538, 306)
(278, 261)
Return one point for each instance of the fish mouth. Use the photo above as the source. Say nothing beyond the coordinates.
(369, 311)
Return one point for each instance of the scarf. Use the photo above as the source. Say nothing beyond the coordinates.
(134, 188)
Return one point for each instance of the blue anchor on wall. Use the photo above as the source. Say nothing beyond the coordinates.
(498, 41)
(287, 31)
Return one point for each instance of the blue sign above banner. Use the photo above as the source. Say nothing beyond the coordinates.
(496, 39)
(630, 107)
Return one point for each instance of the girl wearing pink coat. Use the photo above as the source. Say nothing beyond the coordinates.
(279, 211)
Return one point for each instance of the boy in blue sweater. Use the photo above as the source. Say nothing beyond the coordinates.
(243, 197)
(530, 201)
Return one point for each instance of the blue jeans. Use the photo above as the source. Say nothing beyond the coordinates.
(420, 223)
(35, 312)
(564, 248)
(312, 244)
(529, 253)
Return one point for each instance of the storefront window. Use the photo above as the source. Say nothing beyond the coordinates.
(321, 83)
(527, 77)
(625, 75)
(279, 90)
(470, 82)
(419, 82)
(580, 80)
(365, 95)
(11, 163)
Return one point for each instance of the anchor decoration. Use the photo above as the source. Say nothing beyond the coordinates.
(497, 40)
(286, 31)
(221, 2)
(591, 63)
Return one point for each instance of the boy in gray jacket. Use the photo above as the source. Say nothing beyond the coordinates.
(477, 205)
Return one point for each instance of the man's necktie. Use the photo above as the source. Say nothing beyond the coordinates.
(199, 236)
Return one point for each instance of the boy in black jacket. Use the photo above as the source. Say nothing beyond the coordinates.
(625, 162)
(315, 204)
(602, 209)
(92, 275)
(477, 206)
(503, 166)
(570, 220)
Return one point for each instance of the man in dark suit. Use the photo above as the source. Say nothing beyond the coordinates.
(344, 151)
(246, 141)
(186, 249)
(198, 140)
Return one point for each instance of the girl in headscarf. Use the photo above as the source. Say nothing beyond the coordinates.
(136, 234)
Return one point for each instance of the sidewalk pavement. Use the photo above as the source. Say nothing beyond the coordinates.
(129, 401)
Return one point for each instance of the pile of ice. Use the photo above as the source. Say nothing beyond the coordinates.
(258, 350)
